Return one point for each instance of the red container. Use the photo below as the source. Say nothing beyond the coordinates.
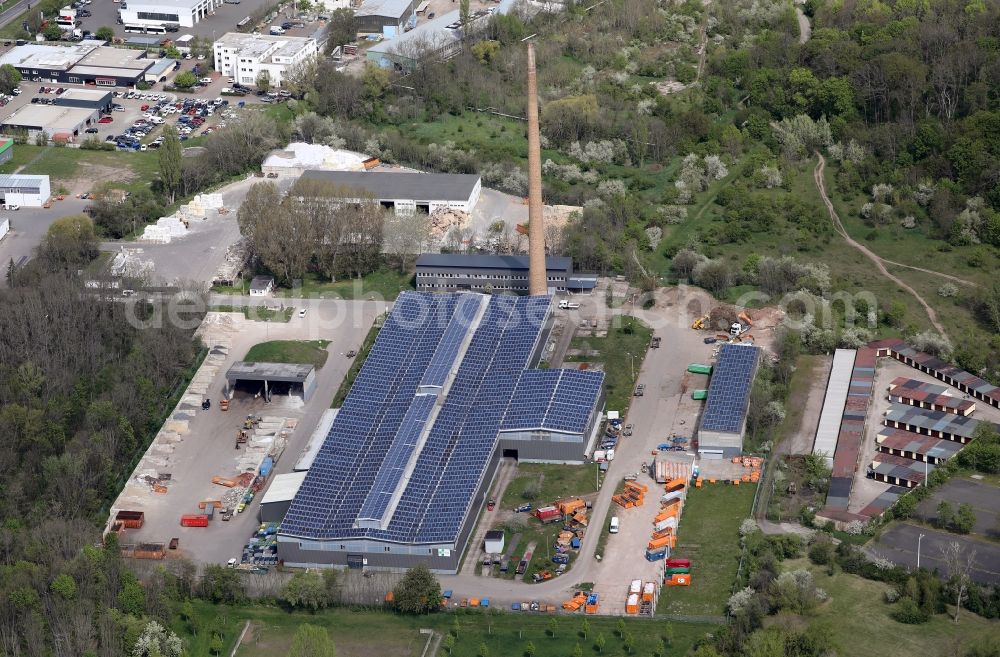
(678, 563)
(194, 520)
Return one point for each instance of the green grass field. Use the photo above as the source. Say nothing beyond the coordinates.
(631, 337)
(552, 482)
(65, 164)
(858, 618)
(382, 284)
(708, 535)
(312, 352)
(372, 633)
(257, 313)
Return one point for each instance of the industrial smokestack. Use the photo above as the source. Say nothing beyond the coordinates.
(537, 275)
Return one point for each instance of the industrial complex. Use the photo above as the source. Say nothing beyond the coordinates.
(408, 192)
(86, 62)
(446, 391)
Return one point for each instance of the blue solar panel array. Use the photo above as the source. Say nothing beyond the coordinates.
(451, 341)
(360, 464)
(557, 400)
(729, 388)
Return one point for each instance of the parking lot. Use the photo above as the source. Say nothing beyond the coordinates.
(899, 545)
(196, 445)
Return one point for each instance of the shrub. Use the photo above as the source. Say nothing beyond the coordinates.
(821, 553)
(907, 611)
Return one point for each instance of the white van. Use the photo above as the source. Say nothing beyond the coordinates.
(614, 525)
(277, 30)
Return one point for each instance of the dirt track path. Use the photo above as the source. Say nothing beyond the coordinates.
(868, 253)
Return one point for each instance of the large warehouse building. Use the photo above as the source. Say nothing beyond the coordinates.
(720, 434)
(451, 272)
(444, 394)
(409, 192)
(385, 17)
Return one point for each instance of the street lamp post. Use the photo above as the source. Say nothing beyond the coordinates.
(631, 365)
(919, 538)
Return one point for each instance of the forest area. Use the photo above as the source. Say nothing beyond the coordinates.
(689, 129)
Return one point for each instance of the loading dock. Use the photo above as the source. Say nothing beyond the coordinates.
(284, 378)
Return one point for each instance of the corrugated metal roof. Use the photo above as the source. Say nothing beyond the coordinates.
(833, 405)
(390, 8)
(926, 420)
(283, 487)
(389, 185)
(21, 180)
(915, 443)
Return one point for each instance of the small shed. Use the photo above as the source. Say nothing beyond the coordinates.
(279, 495)
(262, 286)
(494, 543)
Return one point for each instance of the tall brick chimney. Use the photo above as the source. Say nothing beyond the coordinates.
(537, 274)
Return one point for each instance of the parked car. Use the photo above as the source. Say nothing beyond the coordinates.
(91, 131)
(105, 119)
(523, 508)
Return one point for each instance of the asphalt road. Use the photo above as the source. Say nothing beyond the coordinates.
(28, 226)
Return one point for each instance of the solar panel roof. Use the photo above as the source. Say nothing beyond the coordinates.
(411, 442)
(729, 388)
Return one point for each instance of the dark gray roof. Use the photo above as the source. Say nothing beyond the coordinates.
(287, 372)
(388, 185)
(476, 261)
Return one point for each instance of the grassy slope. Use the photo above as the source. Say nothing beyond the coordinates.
(382, 284)
(859, 619)
(352, 373)
(366, 633)
(708, 534)
(289, 351)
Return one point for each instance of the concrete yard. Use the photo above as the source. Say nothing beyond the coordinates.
(196, 445)
(982, 497)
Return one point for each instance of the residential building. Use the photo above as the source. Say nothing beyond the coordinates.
(245, 56)
(261, 286)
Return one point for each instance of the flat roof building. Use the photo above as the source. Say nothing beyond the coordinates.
(936, 424)
(27, 190)
(446, 391)
(930, 396)
(291, 376)
(59, 123)
(837, 387)
(279, 495)
(80, 63)
(409, 192)
(93, 99)
(246, 56)
(185, 13)
(451, 272)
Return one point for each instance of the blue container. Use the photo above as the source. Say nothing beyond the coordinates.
(515, 606)
(485, 602)
(574, 543)
(265, 466)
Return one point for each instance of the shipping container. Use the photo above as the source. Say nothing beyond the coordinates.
(678, 563)
(676, 495)
(570, 506)
(699, 395)
(698, 368)
(675, 485)
(632, 604)
(656, 555)
(210, 512)
(648, 591)
(548, 514)
(678, 570)
(657, 543)
(635, 586)
(131, 519)
(265, 466)
(194, 520)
